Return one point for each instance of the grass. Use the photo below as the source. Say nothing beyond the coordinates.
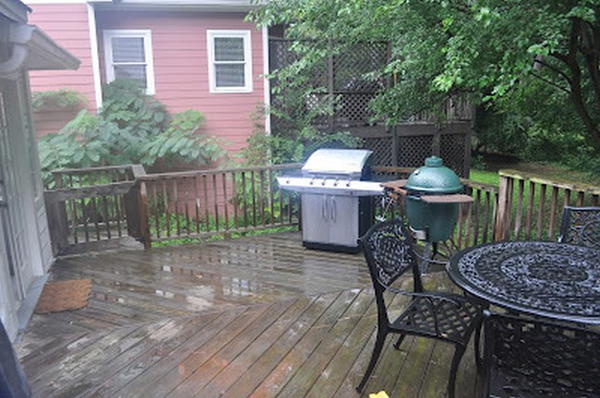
(551, 171)
(485, 177)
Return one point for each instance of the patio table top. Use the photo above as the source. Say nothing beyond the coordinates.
(549, 279)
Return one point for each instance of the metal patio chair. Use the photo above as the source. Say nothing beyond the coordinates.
(581, 226)
(443, 316)
(531, 358)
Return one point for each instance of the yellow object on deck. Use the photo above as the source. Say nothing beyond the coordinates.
(380, 394)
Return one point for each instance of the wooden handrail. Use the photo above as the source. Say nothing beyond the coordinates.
(92, 169)
(192, 173)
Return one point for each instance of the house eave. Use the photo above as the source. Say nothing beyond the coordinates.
(45, 54)
(32, 49)
(174, 5)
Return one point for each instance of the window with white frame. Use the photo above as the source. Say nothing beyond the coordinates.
(229, 61)
(128, 55)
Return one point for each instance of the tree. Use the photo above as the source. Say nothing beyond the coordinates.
(495, 51)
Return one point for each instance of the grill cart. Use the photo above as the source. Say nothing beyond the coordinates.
(336, 198)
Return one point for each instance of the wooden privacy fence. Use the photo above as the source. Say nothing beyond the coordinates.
(96, 208)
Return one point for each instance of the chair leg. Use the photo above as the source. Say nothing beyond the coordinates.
(458, 353)
(476, 343)
(399, 341)
(374, 357)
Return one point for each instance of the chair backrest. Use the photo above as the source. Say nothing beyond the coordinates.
(388, 249)
(563, 358)
(581, 226)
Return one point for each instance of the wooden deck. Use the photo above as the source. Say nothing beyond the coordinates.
(253, 317)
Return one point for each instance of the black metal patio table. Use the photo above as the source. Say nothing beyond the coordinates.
(549, 279)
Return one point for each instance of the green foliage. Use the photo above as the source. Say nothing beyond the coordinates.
(126, 105)
(62, 98)
(291, 145)
(534, 63)
(131, 128)
(182, 142)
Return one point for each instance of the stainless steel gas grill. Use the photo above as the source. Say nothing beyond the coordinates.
(336, 199)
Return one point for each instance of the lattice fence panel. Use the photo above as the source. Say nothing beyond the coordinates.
(413, 150)
(351, 66)
(352, 109)
(452, 150)
(382, 150)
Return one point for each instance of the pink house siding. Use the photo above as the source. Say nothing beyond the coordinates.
(180, 56)
(67, 24)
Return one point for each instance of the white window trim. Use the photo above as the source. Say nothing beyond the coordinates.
(247, 36)
(146, 34)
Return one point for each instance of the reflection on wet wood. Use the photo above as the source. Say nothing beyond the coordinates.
(253, 317)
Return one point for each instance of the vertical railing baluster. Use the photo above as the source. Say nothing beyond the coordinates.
(166, 207)
(553, 206)
(567, 198)
(540, 218)
(271, 196)
(215, 191)
(225, 201)
(580, 198)
(245, 200)
(530, 209)
(106, 217)
(86, 233)
(519, 215)
(156, 204)
(95, 215)
(261, 196)
(176, 205)
(252, 187)
(486, 219)
(73, 204)
(281, 193)
(186, 200)
(236, 221)
(476, 215)
(116, 199)
(197, 203)
(206, 210)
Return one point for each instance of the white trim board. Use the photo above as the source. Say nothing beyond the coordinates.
(95, 58)
(246, 35)
(146, 34)
(266, 82)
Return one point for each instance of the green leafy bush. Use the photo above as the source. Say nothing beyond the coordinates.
(181, 141)
(62, 98)
(131, 128)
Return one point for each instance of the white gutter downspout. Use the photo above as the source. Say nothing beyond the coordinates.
(266, 82)
(18, 36)
(91, 13)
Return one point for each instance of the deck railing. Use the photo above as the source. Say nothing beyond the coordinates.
(202, 203)
(530, 206)
(93, 208)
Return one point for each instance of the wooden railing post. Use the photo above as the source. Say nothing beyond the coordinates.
(144, 214)
(132, 209)
(503, 215)
(58, 225)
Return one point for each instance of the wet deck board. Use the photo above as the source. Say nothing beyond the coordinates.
(253, 317)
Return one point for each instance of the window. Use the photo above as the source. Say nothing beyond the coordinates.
(128, 55)
(229, 61)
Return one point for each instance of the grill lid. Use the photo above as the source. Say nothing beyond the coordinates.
(346, 162)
